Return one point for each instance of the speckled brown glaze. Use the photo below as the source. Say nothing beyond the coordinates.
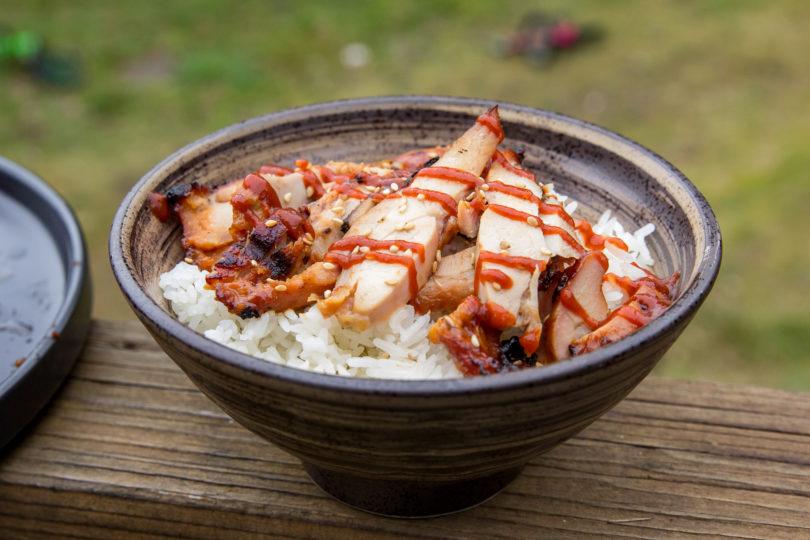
(415, 448)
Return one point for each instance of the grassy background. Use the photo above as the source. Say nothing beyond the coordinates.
(720, 88)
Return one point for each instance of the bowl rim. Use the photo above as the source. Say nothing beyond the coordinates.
(235, 363)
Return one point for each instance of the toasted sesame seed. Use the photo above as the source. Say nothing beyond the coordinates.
(338, 210)
(386, 191)
(390, 282)
(438, 254)
(505, 244)
(337, 221)
(189, 260)
(356, 249)
(329, 266)
(435, 265)
(545, 251)
(287, 197)
(471, 196)
(310, 191)
(531, 220)
(306, 241)
(496, 285)
(394, 248)
(432, 155)
(312, 297)
(474, 341)
(364, 249)
(484, 187)
(408, 226)
(420, 197)
(253, 262)
(270, 223)
(327, 293)
(280, 287)
(394, 187)
(408, 253)
(309, 237)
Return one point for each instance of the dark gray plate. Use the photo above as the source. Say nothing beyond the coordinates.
(44, 295)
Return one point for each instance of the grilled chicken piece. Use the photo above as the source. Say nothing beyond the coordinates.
(451, 283)
(517, 235)
(650, 297)
(579, 308)
(473, 344)
(395, 243)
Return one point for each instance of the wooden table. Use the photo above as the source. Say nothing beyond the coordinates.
(129, 448)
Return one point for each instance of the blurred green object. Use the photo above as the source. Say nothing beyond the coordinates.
(25, 50)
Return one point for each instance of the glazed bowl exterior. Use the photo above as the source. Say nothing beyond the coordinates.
(423, 447)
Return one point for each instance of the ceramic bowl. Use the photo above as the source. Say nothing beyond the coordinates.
(418, 448)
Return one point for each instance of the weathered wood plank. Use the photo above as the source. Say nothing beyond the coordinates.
(129, 448)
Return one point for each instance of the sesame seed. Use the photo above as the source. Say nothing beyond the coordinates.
(337, 221)
(531, 220)
(253, 262)
(432, 155)
(438, 254)
(310, 191)
(390, 282)
(338, 210)
(356, 250)
(365, 249)
(394, 248)
(420, 197)
(504, 252)
(505, 244)
(471, 196)
(280, 287)
(329, 266)
(545, 251)
(344, 197)
(309, 237)
(474, 341)
(408, 253)
(312, 297)
(327, 293)
(435, 265)
(189, 260)
(306, 241)
(484, 187)
(394, 187)
(386, 191)
(270, 223)
(496, 285)
(287, 197)
(408, 226)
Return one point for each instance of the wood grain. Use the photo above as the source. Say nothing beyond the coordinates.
(129, 448)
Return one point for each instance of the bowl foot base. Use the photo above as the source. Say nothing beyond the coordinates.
(401, 498)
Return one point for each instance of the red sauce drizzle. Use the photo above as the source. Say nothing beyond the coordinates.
(510, 261)
(159, 205)
(517, 215)
(526, 195)
(530, 340)
(263, 190)
(596, 241)
(569, 300)
(494, 275)
(346, 260)
(275, 170)
(353, 192)
(455, 175)
(500, 158)
(447, 202)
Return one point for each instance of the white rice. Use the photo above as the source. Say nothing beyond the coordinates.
(396, 349)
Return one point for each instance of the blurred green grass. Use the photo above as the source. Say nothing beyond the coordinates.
(720, 88)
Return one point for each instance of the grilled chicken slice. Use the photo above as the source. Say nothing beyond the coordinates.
(451, 283)
(579, 308)
(517, 235)
(649, 298)
(388, 253)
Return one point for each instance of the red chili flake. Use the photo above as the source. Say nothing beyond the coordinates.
(19, 362)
